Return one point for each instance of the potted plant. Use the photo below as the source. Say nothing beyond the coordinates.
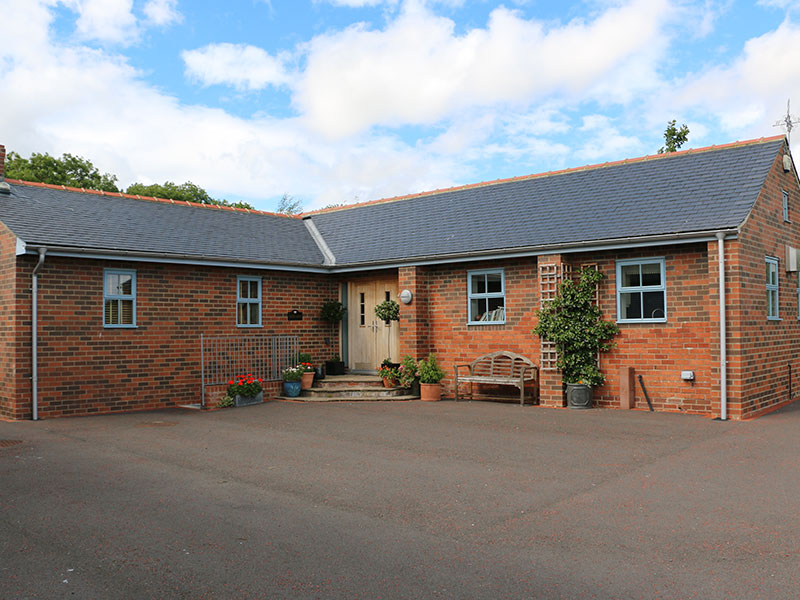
(333, 312)
(575, 324)
(307, 379)
(245, 389)
(430, 376)
(291, 381)
(388, 374)
(408, 375)
(335, 366)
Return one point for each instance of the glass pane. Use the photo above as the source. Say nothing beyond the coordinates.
(631, 305)
(126, 312)
(254, 310)
(243, 287)
(494, 283)
(772, 303)
(630, 276)
(773, 274)
(478, 284)
(654, 305)
(477, 309)
(111, 313)
(254, 289)
(125, 285)
(112, 283)
(241, 313)
(496, 309)
(651, 274)
(362, 308)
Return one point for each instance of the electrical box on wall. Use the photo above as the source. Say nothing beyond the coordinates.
(791, 259)
(687, 375)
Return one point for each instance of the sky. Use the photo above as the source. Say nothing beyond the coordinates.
(337, 101)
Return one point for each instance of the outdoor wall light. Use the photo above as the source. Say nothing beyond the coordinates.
(405, 296)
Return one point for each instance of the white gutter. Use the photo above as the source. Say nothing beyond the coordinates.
(35, 332)
(723, 358)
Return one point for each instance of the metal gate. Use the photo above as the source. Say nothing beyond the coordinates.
(264, 356)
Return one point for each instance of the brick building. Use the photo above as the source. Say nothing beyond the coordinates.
(127, 285)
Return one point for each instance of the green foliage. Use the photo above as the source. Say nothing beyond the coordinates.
(333, 311)
(388, 310)
(303, 357)
(293, 373)
(184, 192)
(429, 370)
(574, 322)
(408, 371)
(674, 137)
(289, 206)
(69, 170)
(226, 402)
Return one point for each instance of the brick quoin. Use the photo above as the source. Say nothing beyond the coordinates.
(85, 368)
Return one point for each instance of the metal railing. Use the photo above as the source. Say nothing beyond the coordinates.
(264, 356)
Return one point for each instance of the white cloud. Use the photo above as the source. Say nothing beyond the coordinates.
(242, 66)
(601, 138)
(162, 12)
(418, 70)
(105, 20)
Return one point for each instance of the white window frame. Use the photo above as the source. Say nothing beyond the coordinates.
(642, 288)
(118, 297)
(786, 207)
(770, 288)
(486, 295)
(248, 301)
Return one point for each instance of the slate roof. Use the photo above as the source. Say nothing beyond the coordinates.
(696, 190)
(56, 217)
(701, 190)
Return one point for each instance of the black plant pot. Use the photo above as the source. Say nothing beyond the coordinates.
(334, 367)
(319, 373)
(579, 395)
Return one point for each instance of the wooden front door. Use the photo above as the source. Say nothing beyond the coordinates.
(370, 340)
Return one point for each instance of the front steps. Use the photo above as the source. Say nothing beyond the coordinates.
(351, 388)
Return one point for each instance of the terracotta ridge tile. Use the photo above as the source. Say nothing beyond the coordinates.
(647, 157)
(147, 198)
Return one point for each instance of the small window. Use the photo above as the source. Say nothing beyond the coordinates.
(486, 292)
(362, 309)
(786, 206)
(248, 302)
(772, 288)
(641, 291)
(119, 298)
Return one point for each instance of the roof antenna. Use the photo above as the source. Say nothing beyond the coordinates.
(787, 124)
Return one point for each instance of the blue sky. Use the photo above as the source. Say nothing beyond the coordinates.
(334, 101)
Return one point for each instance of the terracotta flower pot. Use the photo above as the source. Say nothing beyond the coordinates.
(389, 383)
(308, 380)
(430, 392)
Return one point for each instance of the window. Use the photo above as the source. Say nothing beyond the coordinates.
(786, 206)
(641, 291)
(772, 288)
(486, 292)
(248, 302)
(119, 298)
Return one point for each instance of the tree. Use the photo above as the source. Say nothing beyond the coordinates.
(188, 192)
(289, 206)
(674, 137)
(70, 170)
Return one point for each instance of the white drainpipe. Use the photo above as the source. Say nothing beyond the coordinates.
(35, 332)
(723, 354)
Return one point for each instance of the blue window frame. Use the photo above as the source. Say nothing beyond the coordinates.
(119, 298)
(641, 291)
(248, 301)
(786, 206)
(772, 288)
(486, 297)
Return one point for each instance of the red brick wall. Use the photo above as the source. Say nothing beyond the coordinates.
(85, 368)
(762, 349)
(8, 384)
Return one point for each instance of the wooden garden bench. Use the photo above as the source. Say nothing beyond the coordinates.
(499, 368)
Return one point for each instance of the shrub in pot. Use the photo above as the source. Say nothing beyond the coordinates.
(291, 381)
(408, 375)
(430, 377)
(245, 389)
(575, 324)
(333, 312)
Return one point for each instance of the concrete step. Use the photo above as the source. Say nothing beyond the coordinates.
(341, 381)
(352, 392)
(350, 399)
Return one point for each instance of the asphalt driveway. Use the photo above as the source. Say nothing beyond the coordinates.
(400, 500)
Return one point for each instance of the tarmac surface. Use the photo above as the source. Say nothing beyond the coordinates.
(400, 500)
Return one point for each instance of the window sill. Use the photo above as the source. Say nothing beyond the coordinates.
(120, 326)
(641, 321)
(484, 323)
(249, 326)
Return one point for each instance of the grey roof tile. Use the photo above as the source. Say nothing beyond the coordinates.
(695, 191)
(56, 217)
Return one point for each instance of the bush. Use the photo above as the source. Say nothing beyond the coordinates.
(429, 370)
(226, 402)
